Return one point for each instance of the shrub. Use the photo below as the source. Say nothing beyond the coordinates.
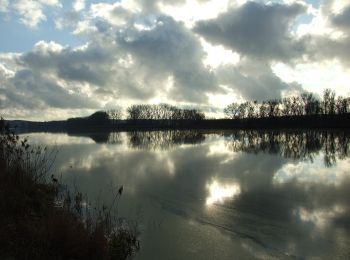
(42, 219)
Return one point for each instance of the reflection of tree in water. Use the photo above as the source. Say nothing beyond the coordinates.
(101, 137)
(114, 138)
(292, 144)
(155, 140)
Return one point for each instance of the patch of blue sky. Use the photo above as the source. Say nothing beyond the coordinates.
(315, 3)
(16, 37)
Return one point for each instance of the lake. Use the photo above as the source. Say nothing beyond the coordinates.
(218, 195)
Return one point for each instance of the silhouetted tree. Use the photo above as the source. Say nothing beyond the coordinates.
(232, 111)
(328, 102)
(163, 112)
(114, 115)
(342, 105)
(134, 112)
(310, 103)
(263, 109)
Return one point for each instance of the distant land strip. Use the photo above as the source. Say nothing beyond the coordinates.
(107, 125)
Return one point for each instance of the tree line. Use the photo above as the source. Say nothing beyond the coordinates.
(305, 104)
(141, 116)
(156, 112)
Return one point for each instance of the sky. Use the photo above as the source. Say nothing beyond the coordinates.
(61, 58)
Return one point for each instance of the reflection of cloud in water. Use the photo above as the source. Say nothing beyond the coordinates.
(219, 148)
(110, 156)
(56, 139)
(306, 172)
(319, 217)
(282, 206)
(218, 192)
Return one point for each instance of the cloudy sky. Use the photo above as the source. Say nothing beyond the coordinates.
(63, 58)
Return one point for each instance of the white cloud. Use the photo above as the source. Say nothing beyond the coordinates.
(7, 73)
(118, 13)
(316, 76)
(304, 172)
(51, 2)
(203, 10)
(4, 4)
(217, 55)
(31, 12)
(79, 5)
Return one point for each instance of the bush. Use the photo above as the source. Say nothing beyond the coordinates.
(42, 219)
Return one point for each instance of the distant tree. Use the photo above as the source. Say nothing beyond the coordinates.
(163, 112)
(263, 109)
(251, 106)
(310, 103)
(114, 114)
(297, 107)
(134, 112)
(232, 111)
(328, 102)
(286, 106)
(242, 110)
(272, 107)
(305, 104)
(342, 105)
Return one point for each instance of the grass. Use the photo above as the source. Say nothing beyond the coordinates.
(43, 219)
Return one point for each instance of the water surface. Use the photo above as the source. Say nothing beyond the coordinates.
(220, 195)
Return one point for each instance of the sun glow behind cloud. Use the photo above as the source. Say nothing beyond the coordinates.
(219, 192)
(193, 11)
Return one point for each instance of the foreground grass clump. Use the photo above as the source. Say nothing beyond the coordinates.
(42, 219)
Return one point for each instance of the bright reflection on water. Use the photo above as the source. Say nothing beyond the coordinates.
(218, 192)
(228, 195)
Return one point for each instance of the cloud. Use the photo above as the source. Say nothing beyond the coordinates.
(30, 90)
(4, 4)
(31, 13)
(134, 53)
(170, 49)
(256, 30)
(116, 14)
(79, 5)
(68, 19)
(343, 19)
(334, 42)
(69, 64)
(160, 59)
(254, 80)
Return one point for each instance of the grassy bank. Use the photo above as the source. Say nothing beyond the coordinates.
(42, 219)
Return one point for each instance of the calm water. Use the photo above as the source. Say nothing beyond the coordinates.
(230, 195)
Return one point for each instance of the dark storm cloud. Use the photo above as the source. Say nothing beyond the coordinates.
(30, 90)
(254, 80)
(324, 47)
(170, 49)
(256, 30)
(342, 19)
(77, 65)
